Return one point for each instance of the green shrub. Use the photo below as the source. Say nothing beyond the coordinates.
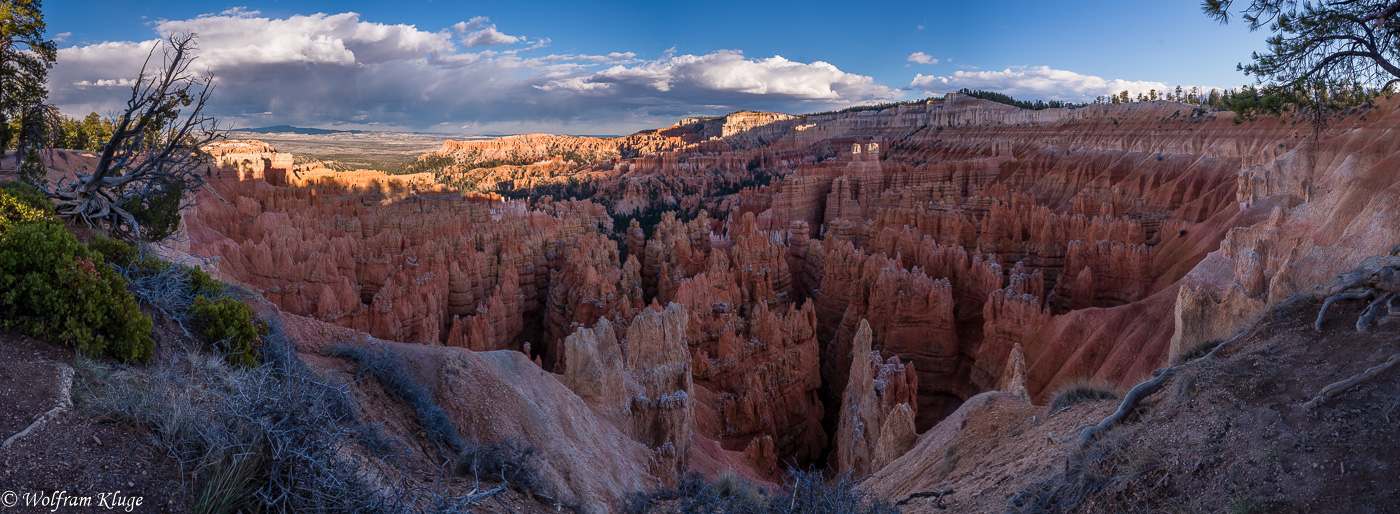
(159, 214)
(54, 288)
(115, 251)
(231, 326)
(202, 283)
(22, 203)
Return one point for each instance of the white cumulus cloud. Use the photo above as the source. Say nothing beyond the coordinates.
(343, 39)
(489, 36)
(729, 72)
(106, 83)
(472, 24)
(1041, 82)
(922, 58)
(479, 31)
(328, 69)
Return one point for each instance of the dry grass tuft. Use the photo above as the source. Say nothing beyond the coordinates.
(1081, 391)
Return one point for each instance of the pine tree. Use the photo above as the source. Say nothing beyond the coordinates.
(98, 131)
(1333, 43)
(25, 59)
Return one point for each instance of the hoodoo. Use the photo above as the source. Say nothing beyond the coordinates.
(961, 239)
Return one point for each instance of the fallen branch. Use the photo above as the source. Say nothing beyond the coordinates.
(475, 497)
(1336, 388)
(937, 495)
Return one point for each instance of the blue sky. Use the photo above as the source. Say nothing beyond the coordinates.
(578, 67)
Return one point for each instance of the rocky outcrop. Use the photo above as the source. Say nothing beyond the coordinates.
(1304, 216)
(662, 412)
(251, 160)
(594, 368)
(754, 124)
(501, 397)
(877, 421)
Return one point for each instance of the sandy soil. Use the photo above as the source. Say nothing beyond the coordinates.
(80, 452)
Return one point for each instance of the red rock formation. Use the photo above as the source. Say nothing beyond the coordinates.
(755, 353)
(586, 288)
(876, 423)
(594, 367)
(469, 274)
(658, 360)
(984, 246)
(528, 148)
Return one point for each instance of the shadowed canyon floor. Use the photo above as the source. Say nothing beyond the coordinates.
(896, 293)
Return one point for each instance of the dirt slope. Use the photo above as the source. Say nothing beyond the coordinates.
(1228, 434)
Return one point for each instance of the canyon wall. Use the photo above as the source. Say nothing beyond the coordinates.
(760, 290)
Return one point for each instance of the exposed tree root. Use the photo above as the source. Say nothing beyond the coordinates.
(1130, 403)
(1147, 388)
(1336, 388)
(65, 402)
(1368, 316)
(1378, 278)
(1350, 295)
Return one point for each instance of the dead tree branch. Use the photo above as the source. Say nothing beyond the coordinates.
(154, 152)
